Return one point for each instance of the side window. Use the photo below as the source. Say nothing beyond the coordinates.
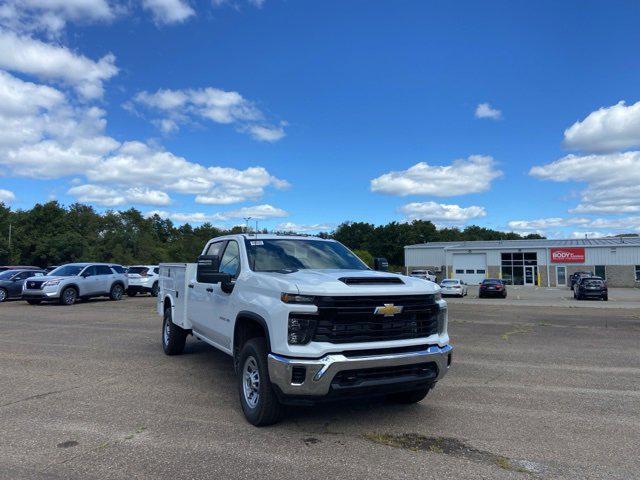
(230, 262)
(24, 275)
(103, 270)
(89, 271)
(215, 248)
(156, 271)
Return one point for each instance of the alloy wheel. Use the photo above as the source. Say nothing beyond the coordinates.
(251, 382)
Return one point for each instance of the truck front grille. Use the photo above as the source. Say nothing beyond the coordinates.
(352, 319)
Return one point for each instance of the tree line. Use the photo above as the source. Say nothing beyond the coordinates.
(52, 234)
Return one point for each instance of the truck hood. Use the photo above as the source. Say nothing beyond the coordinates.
(327, 282)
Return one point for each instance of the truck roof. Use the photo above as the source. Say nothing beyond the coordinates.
(270, 236)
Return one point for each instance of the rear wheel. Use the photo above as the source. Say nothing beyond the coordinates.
(411, 396)
(3, 295)
(155, 289)
(68, 296)
(116, 292)
(173, 337)
(605, 298)
(259, 402)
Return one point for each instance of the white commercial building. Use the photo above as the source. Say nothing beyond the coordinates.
(530, 262)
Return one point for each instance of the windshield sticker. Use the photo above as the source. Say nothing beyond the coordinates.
(257, 243)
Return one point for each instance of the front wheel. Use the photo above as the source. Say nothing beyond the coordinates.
(173, 337)
(605, 298)
(259, 402)
(155, 290)
(3, 295)
(411, 396)
(68, 296)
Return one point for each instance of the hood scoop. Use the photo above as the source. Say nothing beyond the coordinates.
(371, 280)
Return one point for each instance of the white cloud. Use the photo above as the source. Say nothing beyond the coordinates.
(440, 213)
(43, 135)
(51, 16)
(219, 106)
(110, 197)
(259, 212)
(613, 180)
(605, 130)
(545, 223)
(463, 176)
(590, 234)
(296, 227)
(56, 63)
(169, 11)
(485, 110)
(6, 196)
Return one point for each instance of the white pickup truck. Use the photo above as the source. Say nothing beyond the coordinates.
(305, 321)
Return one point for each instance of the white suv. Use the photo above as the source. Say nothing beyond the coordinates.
(143, 279)
(424, 274)
(68, 283)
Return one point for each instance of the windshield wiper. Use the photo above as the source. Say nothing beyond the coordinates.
(281, 270)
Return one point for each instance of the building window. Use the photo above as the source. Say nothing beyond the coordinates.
(637, 273)
(481, 271)
(459, 271)
(512, 266)
(471, 272)
(601, 271)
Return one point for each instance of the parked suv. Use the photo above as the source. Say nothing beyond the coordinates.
(69, 282)
(11, 282)
(591, 287)
(143, 279)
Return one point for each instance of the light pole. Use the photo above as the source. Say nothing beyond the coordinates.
(246, 228)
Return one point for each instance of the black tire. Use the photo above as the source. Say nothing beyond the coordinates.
(68, 296)
(131, 293)
(116, 292)
(155, 289)
(3, 295)
(173, 337)
(267, 409)
(504, 295)
(605, 298)
(33, 302)
(411, 396)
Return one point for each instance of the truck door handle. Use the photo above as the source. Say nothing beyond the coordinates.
(191, 285)
(210, 289)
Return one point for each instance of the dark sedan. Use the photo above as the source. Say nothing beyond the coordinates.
(492, 287)
(11, 282)
(591, 287)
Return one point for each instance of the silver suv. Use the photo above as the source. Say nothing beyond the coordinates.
(69, 282)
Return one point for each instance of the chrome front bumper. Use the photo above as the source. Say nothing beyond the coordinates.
(320, 372)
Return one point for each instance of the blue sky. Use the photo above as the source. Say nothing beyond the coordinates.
(306, 114)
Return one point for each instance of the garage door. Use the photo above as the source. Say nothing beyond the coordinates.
(470, 267)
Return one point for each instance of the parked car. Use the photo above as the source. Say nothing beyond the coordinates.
(424, 274)
(11, 282)
(492, 287)
(453, 286)
(577, 275)
(69, 282)
(591, 287)
(143, 279)
(18, 267)
(305, 320)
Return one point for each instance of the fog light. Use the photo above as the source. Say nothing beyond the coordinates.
(300, 330)
(298, 375)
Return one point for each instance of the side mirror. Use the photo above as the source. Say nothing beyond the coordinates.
(208, 266)
(380, 264)
(85, 275)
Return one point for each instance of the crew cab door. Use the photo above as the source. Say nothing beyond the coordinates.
(201, 308)
(224, 302)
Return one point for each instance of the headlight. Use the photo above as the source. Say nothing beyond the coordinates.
(300, 330)
(437, 296)
(294, 298)
(50, 283)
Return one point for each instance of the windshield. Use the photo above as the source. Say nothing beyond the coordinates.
(449, 282)
(66, 271)
(290, 255)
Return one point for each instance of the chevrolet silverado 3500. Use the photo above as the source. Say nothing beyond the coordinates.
(305, 320)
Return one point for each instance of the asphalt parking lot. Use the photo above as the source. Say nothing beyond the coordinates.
(533, 393)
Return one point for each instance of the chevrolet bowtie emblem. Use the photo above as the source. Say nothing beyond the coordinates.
(388, 310)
